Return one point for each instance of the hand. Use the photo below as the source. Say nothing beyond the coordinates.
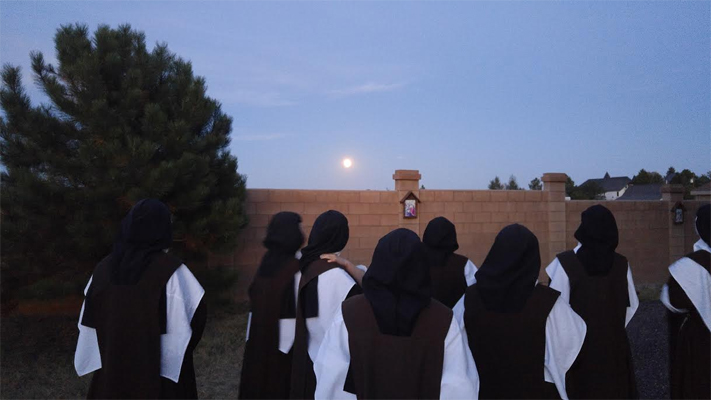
(339, 260)
(348, 266)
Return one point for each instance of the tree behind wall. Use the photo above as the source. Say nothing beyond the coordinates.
(512, 184)
(588, 191)
(495, 184)
(643, 177)
(123, 123)
(535, 184)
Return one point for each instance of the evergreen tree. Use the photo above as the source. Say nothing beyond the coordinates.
(535, 184)
(703, 179)
(512, 184)
(569, 187)
(688, 179)
(671, 170)
(588, 191)
(495, 184)
(643, 177)
(123, 123)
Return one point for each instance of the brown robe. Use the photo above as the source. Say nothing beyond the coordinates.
(448, 280)
(303, 378)
(266, 371)
(689, 342)
(395, 367)
(603, 369)
(509, 348)
(129, 320)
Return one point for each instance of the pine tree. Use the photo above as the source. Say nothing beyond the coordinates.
(512, 184)
(535, 184)
(123, 123)
(643, 177)
(569, 187)
(495, 184)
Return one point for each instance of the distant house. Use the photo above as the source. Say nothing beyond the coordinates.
(650, 191)
(613, 187)
(669, 177)
(702, 192)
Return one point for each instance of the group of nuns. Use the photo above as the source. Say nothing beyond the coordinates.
(420, 322)
(424, 322)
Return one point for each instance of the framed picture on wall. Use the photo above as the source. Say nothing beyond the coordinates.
(410, 208)
(409, 205)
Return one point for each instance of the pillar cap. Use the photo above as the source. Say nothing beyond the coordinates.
(673, 188)
(554, 177)
(407, 174)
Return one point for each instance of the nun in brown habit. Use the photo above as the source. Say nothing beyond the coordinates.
(687, 295)
(524, 338)
(451, 273)
(323, 285)
(597, 282)
(143, 314)
(395, 341)
(266, 366)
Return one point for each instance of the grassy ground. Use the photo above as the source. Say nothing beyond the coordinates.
(36, 354)
(37, 357)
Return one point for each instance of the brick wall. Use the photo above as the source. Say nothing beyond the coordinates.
(648, 238)
(371, 214)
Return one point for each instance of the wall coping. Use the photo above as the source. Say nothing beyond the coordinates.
(673, 188)
(554, 177)
(407, 174)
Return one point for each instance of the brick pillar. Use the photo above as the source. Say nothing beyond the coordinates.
(408, 180)
(671, 194)
(554, 193)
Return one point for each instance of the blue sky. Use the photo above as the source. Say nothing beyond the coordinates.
(462, 91)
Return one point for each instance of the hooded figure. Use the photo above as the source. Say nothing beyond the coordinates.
(397, 284)
(451, 273)
(394, 340)
(597, 283)
(509, 273)
(522, 336)
(266, 367)
(599, 238)
(687, 295)
(322, 288)
(143, 314)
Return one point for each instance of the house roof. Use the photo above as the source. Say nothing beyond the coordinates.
(703, 189)
(650, 191)
(611, 184)
(669, 177)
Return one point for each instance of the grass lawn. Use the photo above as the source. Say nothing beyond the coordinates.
(37, 356)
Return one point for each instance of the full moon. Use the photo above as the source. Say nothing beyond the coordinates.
(347, 163)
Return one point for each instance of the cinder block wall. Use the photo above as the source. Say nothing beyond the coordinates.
(648, 237)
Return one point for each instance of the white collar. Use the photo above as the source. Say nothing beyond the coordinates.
(701, 245)
(575, 250)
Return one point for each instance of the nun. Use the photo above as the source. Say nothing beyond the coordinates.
(395, 341)
(266, 367)
(323, 285)
(524, 337)
(142, 316)
(597, 283)
(687, 295)
(451, 273)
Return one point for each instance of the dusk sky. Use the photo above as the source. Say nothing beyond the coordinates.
(461, 91)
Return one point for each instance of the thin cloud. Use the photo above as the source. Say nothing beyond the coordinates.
(261, 137)
(367, 88)
(255, 98)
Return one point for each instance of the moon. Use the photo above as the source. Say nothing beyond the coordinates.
(347, 163)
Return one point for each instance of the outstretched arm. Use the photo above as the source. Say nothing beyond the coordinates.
(355, 272)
